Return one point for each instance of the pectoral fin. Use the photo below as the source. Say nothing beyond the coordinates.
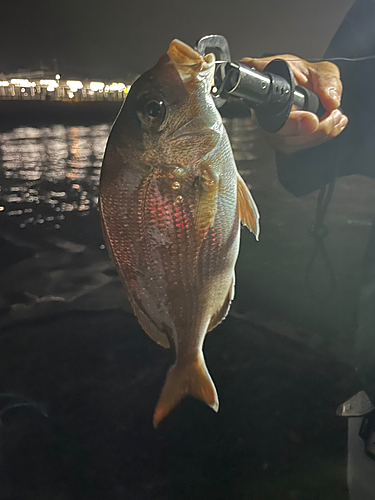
(205, 203)
(247, 209)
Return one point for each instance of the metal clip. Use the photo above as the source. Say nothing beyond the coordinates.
(220, 43)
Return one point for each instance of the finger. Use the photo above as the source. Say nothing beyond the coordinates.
(329, 122)
(293, 144)
(339, 127)
(326, 83)
(300, 123)
(303, 123)
(298, 66)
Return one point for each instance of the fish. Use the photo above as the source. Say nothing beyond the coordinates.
(171, 203)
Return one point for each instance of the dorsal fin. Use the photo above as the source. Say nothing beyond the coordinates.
(247, 209)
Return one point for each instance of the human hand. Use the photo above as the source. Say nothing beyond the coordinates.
(304, 129)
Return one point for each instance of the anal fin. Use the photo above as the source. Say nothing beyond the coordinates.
(149, 327)
(247, 209)
(221, 314)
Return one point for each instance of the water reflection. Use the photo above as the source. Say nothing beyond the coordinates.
(51, 170)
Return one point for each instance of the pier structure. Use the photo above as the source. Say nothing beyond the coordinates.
(43, 85)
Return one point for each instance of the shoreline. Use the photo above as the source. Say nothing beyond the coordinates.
(44, 113)
(38, 113)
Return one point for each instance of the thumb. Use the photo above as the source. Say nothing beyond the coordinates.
(331, 98)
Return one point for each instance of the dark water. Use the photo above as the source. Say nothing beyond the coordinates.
(282, 361)
(50, 171)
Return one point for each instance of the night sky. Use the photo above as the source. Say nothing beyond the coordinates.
(111, 38)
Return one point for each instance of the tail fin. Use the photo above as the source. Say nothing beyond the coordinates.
(192, 379)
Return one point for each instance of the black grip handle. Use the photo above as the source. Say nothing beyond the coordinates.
(275, 111)
(307, 100)
(271, 93)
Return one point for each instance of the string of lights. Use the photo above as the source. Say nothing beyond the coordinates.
(58, 89)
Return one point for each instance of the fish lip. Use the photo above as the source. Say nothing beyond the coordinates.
(181, 53)
(189, 63)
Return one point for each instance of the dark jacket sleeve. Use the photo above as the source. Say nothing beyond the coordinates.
(353, 151)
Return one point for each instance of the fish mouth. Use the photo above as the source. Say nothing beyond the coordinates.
(191, 66)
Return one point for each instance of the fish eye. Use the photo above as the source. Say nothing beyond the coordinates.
(151, 110)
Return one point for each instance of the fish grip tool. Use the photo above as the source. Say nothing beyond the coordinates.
(271, 93)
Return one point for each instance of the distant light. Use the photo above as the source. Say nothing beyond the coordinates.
(20, 82)
(74, 85)
(95, 86)
(70, 95)
(48, 82)
(106, 88)
(57, 77)
(51, 84)
(22, 90)
(4, 84)
(117, 87)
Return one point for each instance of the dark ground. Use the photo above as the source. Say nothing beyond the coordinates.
(99, 377)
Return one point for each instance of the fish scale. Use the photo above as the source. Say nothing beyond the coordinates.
(168, 240)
